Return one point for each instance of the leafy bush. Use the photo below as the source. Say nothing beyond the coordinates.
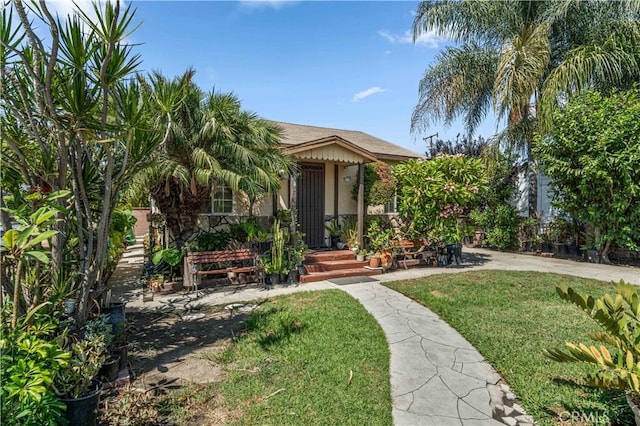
(246, 231)
(500, 225)
(379, 184)
(592, 160)
(30, 362)
(619, 316)
(379, 236)
(434, 194)
(211, 241)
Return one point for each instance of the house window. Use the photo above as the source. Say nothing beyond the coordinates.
(221, 202)
(391, 207)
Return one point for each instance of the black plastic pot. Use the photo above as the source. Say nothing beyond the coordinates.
(274, 279)
(110, 369)
(115, 311)
(122, 351)
(293, 277)
(574, 250)
(83, 411)
(334, 241)
(264, 246)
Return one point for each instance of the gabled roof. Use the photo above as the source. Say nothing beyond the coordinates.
(327, 141)
(299, 134)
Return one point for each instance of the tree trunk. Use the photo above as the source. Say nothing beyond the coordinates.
(604, 255)
(532, 178)
(180, 207)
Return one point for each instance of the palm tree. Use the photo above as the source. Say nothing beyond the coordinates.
(210, 141)
(522, 59)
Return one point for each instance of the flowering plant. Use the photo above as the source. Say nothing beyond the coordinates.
(435, 194)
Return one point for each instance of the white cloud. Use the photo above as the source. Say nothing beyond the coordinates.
(366, 93)
(264, 4)
(429, 39)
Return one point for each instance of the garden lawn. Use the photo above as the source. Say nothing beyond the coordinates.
(309, 358)
(510, 317)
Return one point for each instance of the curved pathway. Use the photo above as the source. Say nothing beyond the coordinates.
(437, 377)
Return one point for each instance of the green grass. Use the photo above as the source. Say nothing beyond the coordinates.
(293, 365)
(510, 317)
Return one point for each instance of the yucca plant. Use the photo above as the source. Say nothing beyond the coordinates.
(619, 316)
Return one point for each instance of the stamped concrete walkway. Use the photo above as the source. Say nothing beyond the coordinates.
(437, 377)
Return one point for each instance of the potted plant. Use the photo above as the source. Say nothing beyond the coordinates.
(172, 257)
(374, 260)
(360, 255)
(617, 314)
(275, 261)
(296, 252)
(76, 384)
(114, 312)
(379, 241)
(101, 327)
(334, 230)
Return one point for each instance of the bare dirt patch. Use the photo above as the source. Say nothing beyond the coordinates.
(167, 347)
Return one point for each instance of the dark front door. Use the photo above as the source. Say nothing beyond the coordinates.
(310, 203)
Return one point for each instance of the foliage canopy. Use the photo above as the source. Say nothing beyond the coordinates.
(592, 158)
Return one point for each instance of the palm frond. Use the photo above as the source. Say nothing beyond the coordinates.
(523, 62)
(459, 84)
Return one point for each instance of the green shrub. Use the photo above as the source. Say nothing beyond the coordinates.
(29, 363)
(211, 241)
(500, 225)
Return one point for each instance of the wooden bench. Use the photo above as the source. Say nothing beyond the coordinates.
(404, 250)
(221, 262)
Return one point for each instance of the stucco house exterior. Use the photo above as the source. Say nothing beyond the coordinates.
(329, 161)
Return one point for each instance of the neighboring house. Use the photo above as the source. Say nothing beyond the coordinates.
(544, 196)
(329, 161)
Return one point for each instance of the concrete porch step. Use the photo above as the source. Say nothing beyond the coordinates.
(341, 273)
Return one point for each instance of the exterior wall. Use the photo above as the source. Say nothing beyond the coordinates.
(142, 225)
(263, 207)
(544, 196)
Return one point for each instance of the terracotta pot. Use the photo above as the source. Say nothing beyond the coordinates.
(374, 262)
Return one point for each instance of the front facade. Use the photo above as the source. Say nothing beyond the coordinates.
(329, 161)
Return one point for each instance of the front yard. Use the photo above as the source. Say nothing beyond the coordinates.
(307, 358)
(510, 317)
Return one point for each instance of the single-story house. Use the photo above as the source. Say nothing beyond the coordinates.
(329, 161)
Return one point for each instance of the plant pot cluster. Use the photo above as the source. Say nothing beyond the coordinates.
(99, 353)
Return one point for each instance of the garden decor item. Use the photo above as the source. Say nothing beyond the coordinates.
(386, 258)
(619, 315)
(374, 261)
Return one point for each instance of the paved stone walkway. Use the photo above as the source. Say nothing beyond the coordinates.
(437, 377)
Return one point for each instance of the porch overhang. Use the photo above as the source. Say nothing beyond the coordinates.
(332, 148)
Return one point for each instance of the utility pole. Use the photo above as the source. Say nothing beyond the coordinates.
(430, 137)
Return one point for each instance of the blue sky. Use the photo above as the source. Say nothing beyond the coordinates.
(350, 65)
